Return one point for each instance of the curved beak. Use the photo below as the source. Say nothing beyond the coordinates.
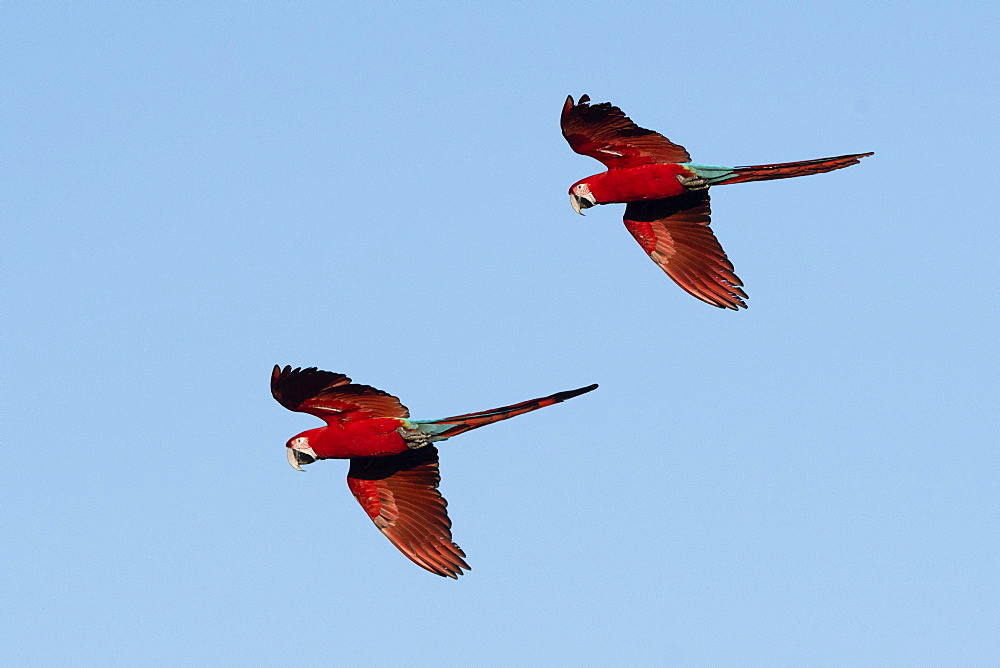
(579, 203)
(296, 458)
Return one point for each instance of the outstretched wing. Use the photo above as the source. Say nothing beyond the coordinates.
(675, 233)
(331, 396)
(400, 495)
(603, 131)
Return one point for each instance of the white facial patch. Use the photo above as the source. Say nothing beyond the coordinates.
(301, 443)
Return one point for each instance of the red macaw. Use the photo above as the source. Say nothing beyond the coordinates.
(667, 195)
(394, 466)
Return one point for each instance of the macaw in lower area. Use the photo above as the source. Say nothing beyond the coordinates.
(666, 194)
(394, 466)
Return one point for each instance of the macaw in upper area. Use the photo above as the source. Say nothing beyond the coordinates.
(667, 195)
(394, 466)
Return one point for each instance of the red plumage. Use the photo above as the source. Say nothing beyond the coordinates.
(394, 468)
(787, 170)
(668, 209)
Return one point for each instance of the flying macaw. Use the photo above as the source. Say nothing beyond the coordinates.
(394, 466)
(666, 194)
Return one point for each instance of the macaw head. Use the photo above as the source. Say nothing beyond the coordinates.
(580, 197)
(300, 451)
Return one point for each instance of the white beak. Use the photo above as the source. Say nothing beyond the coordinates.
(299, 456)
(579, 203)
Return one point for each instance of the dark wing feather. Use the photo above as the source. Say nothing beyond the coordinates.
(399, 493)
(330, 395)
(603, 131)
(675, 233)
(292, 387)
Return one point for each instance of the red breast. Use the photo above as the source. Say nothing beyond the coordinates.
(656, 181)
(358, 438)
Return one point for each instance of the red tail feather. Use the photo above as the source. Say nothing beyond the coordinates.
(787, 170)
(469, 421)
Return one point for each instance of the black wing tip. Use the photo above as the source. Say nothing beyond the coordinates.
(736, 297)
(291, 386)
(449, 564)
(451, 574)
(454, 569)
(731, 301)
(569, 107)
(278, 374)
(279, 371)
(287, 370)
(581, 104)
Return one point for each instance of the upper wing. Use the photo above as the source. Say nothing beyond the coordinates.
(400, 495)
(330, 395)
(603, 131)
(675, 233)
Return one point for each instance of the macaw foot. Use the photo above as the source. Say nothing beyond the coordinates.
(415, 438)
(693, 182)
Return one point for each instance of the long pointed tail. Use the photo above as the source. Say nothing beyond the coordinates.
(784, 170)
(450, 426)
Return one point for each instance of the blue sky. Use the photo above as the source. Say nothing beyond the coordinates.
(195, 192)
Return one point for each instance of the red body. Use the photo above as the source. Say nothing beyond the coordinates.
(635, 184)
(668, 218)
(394, 472)
(367, 437)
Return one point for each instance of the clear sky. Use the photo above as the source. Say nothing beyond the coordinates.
(193, 192)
